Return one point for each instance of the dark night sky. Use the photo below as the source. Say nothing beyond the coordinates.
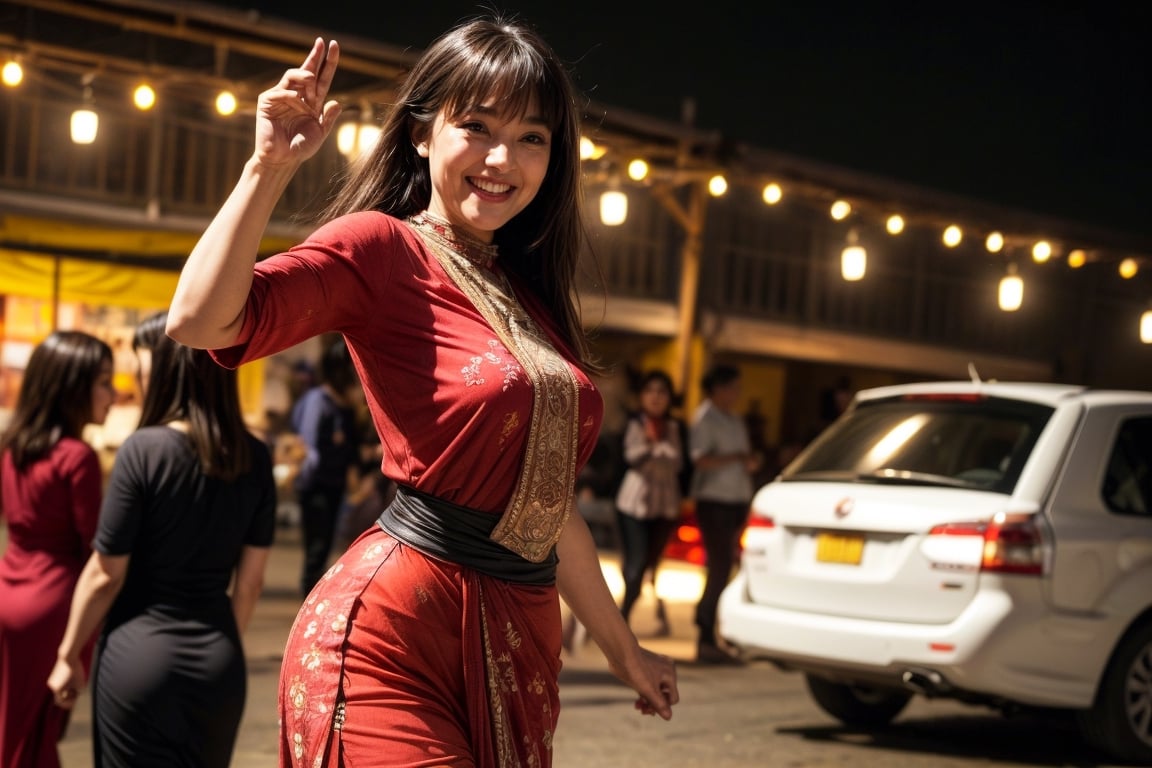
(1040, 106)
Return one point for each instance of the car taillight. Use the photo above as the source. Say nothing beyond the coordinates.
(755, 521)
(685, 543)
(759, 521)
(1011, 543)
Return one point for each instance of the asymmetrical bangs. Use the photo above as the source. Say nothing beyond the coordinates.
(505, 66)
(507, 74)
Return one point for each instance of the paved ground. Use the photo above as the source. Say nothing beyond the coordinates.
(256, 745)
(728, 717)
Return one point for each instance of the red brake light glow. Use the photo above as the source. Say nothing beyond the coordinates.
(1012, 543)
(755, 521)
(758, 521)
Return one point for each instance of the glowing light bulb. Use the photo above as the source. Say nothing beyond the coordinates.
(953, 235)
(853, 262)
(772, 193)
(12, 74)
(586, 148)
(1011, 293)
(225, 103)
(853, 259)
(1041, 251)
(85, 125)
(590, 150)
(144, 97)
(613, 207)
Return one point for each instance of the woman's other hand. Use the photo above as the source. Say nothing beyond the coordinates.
(653, 677)
(66, 681)
(294, 117)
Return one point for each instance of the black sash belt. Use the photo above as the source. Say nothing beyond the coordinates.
(461, 535)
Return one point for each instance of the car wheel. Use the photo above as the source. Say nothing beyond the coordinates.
(857, 705)
(1120, 721)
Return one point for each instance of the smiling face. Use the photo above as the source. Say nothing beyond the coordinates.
(485, 166)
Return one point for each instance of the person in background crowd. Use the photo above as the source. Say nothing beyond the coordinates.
(447, 261)
(50, 489)
(648, 500)
(722, 486)
(190, 509)
(325, 419)
(372, 492)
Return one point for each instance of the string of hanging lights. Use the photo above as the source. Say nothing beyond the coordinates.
(854, 256)
(146, 85)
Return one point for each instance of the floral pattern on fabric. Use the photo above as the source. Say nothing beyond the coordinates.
(508, 645)
(309, 681)
(514, 700)
(542, 502)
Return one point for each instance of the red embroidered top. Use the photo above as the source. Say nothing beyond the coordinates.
(451, 404)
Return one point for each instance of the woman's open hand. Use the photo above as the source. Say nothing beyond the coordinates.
(293, 118)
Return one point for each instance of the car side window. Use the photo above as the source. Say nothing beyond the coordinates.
(1128, 482)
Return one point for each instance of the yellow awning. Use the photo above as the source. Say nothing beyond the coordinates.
(52, 258)
(66, 261)
(38, 276)
(72, 236)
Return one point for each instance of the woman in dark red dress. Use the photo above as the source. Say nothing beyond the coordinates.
(51, 482)
(447, 261)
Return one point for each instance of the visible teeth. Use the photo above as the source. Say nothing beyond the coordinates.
(491, 186)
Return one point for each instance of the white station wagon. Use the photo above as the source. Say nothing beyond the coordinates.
(980, 541)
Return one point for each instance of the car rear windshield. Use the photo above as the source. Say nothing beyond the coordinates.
(967, 441)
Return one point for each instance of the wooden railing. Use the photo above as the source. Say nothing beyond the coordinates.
(184, 164)
(779, 265)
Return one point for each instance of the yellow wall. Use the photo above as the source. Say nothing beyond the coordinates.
(764, 382)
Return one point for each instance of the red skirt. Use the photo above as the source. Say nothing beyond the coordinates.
(399, 659)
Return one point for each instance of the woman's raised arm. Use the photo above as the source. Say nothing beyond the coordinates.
(293, 119)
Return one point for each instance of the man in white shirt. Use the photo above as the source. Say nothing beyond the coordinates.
(722, 487)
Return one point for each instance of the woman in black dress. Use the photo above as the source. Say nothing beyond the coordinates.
(190, 505)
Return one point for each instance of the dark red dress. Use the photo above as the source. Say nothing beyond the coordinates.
(51, 510)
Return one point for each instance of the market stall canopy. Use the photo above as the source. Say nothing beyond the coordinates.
(78, 262)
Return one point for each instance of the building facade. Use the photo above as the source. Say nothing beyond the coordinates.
(93, 235)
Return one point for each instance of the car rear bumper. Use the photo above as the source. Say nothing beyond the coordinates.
(997, 649)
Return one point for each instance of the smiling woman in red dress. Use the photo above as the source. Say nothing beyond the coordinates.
(447, 261)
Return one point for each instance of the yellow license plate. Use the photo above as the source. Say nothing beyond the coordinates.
(839, 548)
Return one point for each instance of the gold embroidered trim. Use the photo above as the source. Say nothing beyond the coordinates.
(476, 251)
(501, 728)
(535, 516)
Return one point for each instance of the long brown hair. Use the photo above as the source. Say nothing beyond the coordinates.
(482, 59)
(55, 397)
(187, 384)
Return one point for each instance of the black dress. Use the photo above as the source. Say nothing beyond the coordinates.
(170, 680)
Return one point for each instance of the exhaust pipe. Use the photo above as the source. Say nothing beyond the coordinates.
(925, 682)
